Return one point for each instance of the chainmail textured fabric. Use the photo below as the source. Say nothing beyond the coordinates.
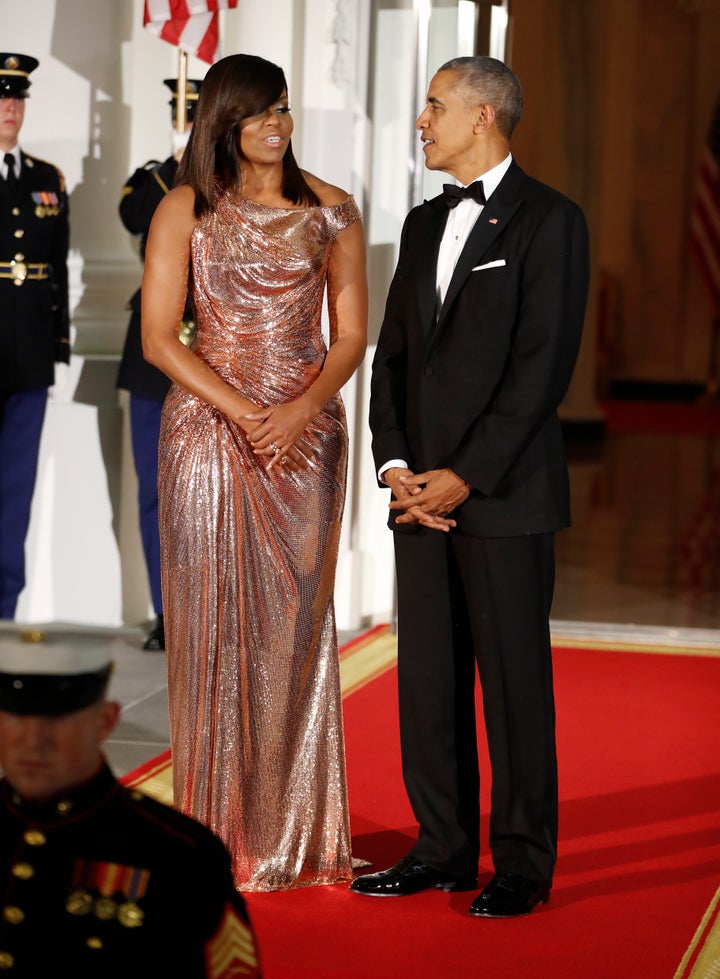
(248, 558)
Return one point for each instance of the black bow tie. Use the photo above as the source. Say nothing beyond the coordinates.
(454, 194)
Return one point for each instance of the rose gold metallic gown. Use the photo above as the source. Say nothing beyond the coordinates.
(248, 558)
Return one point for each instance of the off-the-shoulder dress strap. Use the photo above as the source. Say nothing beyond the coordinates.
(342, 214)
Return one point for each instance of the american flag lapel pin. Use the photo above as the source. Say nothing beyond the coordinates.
(492, 220)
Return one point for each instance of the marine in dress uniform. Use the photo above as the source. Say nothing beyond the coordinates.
(147, 385)
(34, 320)
(97, 879)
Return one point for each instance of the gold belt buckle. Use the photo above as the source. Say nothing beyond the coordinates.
(18, 272)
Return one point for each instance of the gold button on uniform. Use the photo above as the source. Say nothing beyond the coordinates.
(18, 232)
(15, 212)
(23, 871)
(6, 960)
(13, 915)
(94, 942)
(34, 837)
(18, 270)
(64, 807)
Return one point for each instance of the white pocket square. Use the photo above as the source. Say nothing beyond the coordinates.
(490, 265)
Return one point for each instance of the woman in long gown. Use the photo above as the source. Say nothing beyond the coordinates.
(253, 455)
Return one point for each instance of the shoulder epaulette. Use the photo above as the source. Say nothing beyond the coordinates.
(33, 161)
(167, 819)
(162, 183)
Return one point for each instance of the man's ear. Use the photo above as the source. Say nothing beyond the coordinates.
(109, 716)
(485, 117)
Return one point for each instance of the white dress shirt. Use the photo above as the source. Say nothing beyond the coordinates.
(460, 222)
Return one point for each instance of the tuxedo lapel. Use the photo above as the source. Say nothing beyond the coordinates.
(492, 221)
(488, 226)
(435, 220)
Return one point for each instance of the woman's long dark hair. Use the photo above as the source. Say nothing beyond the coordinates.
(234, 88)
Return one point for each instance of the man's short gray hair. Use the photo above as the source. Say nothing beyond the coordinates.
(485, 79)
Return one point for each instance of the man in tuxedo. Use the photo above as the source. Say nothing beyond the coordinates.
(480, 336)
(34, 316)
(147, 385)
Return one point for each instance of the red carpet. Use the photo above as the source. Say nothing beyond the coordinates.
(639, 752)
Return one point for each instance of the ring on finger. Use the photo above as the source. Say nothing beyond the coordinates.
(274, 448)
(283, 459)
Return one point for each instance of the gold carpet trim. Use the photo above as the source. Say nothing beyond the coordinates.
(156, 782)
(365, 662)
(705, 946)
(622, 646)
(361, 661)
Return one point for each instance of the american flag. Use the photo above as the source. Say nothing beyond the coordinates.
(191, 25)
(705, 217)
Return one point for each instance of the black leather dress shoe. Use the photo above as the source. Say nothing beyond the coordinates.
(409, 876)
(156, 637)
(509, 896)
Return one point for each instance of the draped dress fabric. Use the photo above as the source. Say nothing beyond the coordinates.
(249, 556)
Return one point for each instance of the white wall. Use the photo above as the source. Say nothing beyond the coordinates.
(98, 110)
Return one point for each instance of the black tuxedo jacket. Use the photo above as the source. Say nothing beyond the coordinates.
(476, 388)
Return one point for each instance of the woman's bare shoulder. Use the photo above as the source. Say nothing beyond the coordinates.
(328, 193)
(177, 209)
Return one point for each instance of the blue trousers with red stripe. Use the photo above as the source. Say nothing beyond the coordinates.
(145, 416)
